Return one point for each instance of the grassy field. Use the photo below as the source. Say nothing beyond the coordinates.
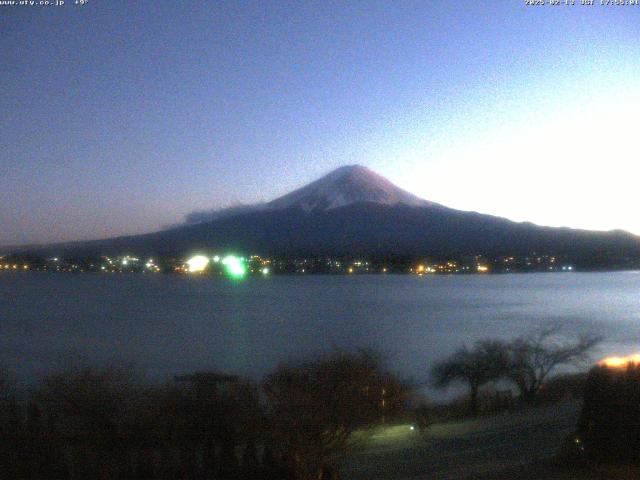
(517, 444)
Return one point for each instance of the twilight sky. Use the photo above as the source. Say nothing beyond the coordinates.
(121, 117)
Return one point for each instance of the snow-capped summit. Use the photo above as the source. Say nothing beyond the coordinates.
(344, 186)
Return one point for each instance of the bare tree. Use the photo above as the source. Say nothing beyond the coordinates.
(533, 358)
(486, 361)
(315, 407)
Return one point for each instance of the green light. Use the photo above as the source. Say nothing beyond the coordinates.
(265, 271)
(234, 266)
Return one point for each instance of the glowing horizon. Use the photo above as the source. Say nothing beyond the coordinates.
(620, 362)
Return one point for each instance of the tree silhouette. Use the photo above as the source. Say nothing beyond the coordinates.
(315, 407)
(486, 361)
(533, 358)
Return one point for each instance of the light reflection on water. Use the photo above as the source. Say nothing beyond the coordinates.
(167, 324)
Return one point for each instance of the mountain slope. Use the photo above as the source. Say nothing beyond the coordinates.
(371, 229)
(353, 211)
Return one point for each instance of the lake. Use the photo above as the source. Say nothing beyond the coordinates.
(168, 324)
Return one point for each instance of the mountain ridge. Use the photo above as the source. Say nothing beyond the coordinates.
(353, 211)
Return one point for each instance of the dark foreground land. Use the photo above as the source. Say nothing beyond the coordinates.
(517, 444)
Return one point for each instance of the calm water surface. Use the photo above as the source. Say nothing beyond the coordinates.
(167, 324)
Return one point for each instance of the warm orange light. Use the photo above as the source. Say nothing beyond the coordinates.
(620, 362)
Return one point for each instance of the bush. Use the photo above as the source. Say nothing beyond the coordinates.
(609, 425)
(104, 423)
(316, 406)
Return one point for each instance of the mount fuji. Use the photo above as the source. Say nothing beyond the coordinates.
(354, 211)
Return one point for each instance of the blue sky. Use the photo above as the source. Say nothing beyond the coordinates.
(121, 117)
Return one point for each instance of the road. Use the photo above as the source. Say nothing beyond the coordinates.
(467, 449)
